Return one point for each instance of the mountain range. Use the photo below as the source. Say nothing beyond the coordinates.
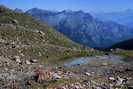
(122, 17)
(83, 28)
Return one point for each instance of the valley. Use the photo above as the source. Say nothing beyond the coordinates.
(34, 55)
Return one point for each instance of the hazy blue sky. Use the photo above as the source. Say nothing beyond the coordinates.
(86, 5)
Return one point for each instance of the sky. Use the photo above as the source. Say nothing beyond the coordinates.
(58, 5)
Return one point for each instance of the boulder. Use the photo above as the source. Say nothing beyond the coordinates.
(40, 76)
(104, 64)
(17, 59)
(111, 78)
(28, 62)
(56, 76)
(120, 80)
(88, 74)
(15, 21)
(33, 60)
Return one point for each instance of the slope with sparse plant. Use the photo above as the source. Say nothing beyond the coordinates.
(29, 38)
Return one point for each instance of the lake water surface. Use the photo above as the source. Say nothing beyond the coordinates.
(84, 60)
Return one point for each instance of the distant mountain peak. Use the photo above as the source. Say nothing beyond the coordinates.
(35, 9)
(18, 10)
(70, 11)
(124, 17)
(40, 10)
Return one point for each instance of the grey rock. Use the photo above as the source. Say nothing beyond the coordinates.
(120, 80)
(34, 60)
(17, 59)
(28, 62)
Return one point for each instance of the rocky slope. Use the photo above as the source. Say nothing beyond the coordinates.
(29, 38)
(82, 28)
(28, 45)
